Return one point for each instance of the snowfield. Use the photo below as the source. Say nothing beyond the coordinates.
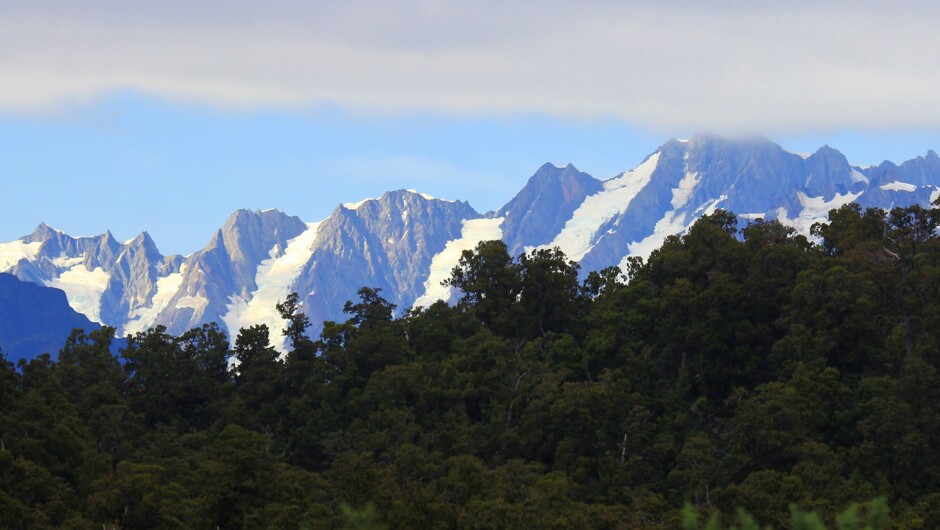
(143, 318)
(580, 235)
(898, 186)
(275, 277)
(473, 232)
(674, 221)
(83, 288)
(815, 210)
(11, 253)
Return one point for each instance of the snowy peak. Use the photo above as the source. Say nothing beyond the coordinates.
(685, 179)
(275, 278)
(399, 220)
(828, 172)
(743, 176)
(249, 237)
(227, 268)
(94, 272)
(406, 242)
(754, 162)
(95, 251)
(920, 171)
(402, 199)
(387, 243)
(143, 246)
(590, 225)
(42, 233)
(541, 209)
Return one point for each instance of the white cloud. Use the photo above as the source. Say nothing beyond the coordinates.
(726, 65)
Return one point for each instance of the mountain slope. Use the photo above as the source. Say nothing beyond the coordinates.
(36, 319)
(406, 243)
(107, 281)
(538, 212)
(226, 268)
(755, 178)
(387, 243)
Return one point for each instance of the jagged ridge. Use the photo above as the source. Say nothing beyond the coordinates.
(400, 240)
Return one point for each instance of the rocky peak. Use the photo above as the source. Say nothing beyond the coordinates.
(43, 232)
(828, 172)
(541, 209)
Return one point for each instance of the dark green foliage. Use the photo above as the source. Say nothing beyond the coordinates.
(873, 516)
(177, 380)
(750, 370)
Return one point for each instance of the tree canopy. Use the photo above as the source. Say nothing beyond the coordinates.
(747, 368)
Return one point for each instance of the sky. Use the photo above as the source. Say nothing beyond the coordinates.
(168, 116)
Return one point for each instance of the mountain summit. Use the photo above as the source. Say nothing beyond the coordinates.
(405, 243)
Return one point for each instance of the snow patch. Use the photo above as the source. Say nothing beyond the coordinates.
(682, 194)
(857, 176)
(580, 233)
(473, 232)
(673, 222)
(65, 262)
(815, 210)
(709, 207)
(898, 186)
(83, 288)
(935, 195)
(430, 197)
(11, 253)
(356, 205)
(274, 279)
(194, 302)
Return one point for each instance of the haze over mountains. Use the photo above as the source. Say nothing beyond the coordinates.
(405, 242)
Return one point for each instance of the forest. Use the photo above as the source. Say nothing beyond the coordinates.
(738, 367)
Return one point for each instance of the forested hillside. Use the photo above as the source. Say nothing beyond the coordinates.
(750, 369)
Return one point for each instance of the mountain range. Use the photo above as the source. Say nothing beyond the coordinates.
(406, 242)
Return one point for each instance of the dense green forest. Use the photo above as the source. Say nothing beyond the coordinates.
(733, 369)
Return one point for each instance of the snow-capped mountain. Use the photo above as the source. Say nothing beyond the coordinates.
(635, 211)
(200, 290)
(103, 279)
(249, 265)
(406, 243)
(386, 243)
(539, 212)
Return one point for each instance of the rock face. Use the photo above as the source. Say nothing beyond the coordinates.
(226, 268)
(405, 242)
(541, 209)
(105, 280)
(386, 243)
(754, 178)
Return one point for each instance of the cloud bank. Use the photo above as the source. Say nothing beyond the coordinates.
(685, 65)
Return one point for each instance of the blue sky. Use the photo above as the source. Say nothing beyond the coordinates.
(169, 116)
(131, 163)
